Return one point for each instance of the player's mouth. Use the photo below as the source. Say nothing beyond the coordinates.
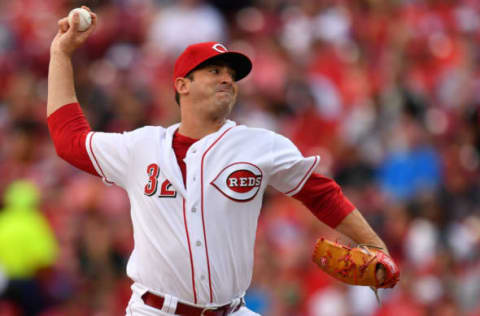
(225, 89)
(225, 92)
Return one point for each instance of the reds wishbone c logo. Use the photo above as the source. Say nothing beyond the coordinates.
(220, 48)
(239, 181)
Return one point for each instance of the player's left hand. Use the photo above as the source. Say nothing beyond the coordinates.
(356, 266)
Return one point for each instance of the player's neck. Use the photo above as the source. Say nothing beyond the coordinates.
(197, 128)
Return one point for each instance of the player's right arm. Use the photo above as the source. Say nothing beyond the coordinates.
(102, 154)
(68, 127)
(61, 88)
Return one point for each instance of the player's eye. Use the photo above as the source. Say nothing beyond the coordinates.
(215, 71)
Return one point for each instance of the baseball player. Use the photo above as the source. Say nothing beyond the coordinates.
(196, 187)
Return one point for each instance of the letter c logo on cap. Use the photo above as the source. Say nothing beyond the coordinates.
(220, 48)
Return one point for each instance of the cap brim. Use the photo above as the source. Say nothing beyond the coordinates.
(237, 61)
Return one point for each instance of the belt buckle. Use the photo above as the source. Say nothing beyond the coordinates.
(207, 309)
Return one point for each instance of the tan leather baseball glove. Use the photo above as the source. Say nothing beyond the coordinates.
(356, 266)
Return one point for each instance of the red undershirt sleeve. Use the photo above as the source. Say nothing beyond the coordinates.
(324, 198)
(69, 129)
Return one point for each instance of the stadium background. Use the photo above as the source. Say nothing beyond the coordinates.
(387, 92)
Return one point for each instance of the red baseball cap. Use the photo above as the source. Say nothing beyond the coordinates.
(196, 54)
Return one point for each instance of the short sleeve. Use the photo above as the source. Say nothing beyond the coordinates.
(290, 169)
(110, 155)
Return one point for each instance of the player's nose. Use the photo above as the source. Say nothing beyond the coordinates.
(226, 75)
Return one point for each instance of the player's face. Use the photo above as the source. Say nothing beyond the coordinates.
(214, 89)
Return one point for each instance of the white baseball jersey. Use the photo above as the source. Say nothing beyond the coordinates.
(196, 242)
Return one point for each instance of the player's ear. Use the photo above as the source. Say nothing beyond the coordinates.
(181, 85)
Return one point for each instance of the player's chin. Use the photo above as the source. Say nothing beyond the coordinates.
(226, 99)
(224, 106)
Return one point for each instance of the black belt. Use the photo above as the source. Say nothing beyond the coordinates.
(182, 309)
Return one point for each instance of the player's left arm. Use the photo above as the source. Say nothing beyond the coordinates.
(325, 199)
(357, 228)
(292, 174)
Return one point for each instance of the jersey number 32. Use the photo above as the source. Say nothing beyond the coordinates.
(166, 188)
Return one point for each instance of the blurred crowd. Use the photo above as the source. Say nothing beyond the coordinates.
(386, 92)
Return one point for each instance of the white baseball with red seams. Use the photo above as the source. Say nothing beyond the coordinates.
(85, 19)
(195, 243)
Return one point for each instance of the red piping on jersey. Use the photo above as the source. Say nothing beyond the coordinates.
(96, 161)
(190, 252)
(306, 174)
(203, 218)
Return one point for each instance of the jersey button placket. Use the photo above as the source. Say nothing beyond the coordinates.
(195, 217)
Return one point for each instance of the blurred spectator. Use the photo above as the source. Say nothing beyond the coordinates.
(184, 23)
(27, 245)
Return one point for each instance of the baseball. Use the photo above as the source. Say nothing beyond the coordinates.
(85, 18)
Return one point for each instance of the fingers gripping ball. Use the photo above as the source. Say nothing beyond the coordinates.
(355, 266)
(85, 18)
